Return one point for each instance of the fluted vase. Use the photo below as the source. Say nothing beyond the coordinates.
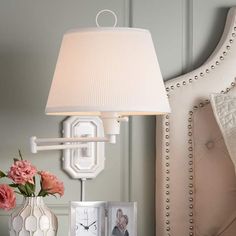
(33, 218)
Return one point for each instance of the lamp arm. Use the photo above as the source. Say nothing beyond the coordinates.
(111, 123)
(65, 142)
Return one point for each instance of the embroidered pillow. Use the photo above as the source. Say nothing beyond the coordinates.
(224, 109)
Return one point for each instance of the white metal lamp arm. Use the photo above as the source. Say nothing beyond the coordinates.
(111, 124)
(35, 147)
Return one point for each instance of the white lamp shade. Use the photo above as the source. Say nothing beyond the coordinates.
(107, 70)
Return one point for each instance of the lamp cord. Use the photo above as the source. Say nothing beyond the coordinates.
(83, 189)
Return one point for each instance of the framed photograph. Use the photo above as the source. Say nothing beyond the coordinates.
(87, 218)
(122, 219)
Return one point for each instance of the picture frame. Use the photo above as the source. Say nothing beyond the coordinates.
(87, 218)
(103, 218)
(122, 218)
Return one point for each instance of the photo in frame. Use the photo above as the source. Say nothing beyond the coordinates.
(122, 218)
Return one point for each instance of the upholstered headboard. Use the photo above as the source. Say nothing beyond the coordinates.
(196, 183)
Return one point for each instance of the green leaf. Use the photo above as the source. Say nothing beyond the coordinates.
(18, 192)
(34, 185)
(29, 190)
(54, 195)
(2, 174)
(20, 154)
(42, 193)
(22, 189)
(30, 185)
(16, 159)
(14, 185)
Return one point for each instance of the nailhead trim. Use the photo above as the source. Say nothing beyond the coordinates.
(207, 70)
(190, 155)
(167, 170)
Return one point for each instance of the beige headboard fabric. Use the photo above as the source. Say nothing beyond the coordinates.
(195, 178)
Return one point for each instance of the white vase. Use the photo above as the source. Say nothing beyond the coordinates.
(33, 218)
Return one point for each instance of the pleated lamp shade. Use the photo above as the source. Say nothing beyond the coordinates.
(107, 70)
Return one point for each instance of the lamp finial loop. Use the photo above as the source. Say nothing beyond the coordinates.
(106, 11)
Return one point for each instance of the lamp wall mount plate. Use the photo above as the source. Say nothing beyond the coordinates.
(87, 160)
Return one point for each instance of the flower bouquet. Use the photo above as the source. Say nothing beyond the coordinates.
(23, 176)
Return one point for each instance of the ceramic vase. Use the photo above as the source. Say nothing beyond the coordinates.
(33, 218)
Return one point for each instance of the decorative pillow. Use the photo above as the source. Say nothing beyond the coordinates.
(224, 108)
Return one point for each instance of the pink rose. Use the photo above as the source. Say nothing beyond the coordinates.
(7, 197)
(51, 184)
(22, 172)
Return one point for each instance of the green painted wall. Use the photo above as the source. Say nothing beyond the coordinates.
(184, 32)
